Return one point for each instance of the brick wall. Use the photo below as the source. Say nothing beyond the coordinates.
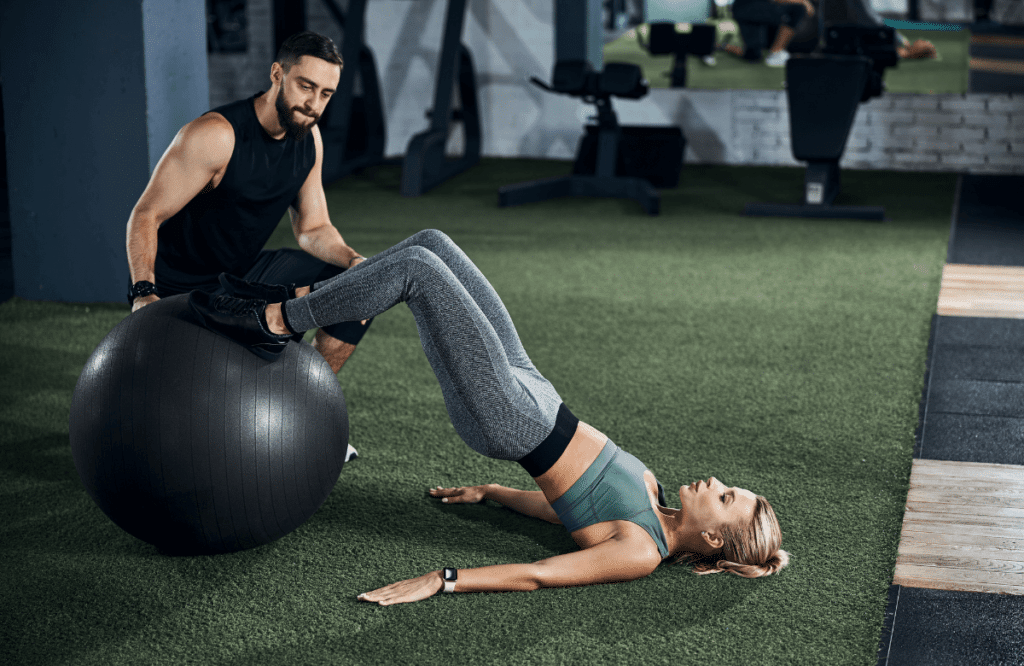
(974, 133)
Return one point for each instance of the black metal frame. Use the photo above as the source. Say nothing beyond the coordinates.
(426, 165)
(664, 40)
(353, 126)
(350, 116)
(604, 183)
(863, 53)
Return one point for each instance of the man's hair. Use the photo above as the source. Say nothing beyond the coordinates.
(307, 44)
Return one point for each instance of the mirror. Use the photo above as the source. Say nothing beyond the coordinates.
(722, 51)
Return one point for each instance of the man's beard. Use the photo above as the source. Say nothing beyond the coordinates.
(287, 117)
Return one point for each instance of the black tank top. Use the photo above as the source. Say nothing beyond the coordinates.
(224, 229)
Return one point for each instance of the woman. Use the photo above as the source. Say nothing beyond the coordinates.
(502, 407)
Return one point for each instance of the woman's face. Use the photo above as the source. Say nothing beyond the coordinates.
(709, 504)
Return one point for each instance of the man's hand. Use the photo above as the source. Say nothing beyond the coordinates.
(466, 495)
(143, 301)
(406, 591)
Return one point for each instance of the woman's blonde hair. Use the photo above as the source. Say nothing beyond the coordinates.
(752, 550)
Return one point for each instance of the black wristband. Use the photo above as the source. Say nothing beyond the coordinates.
(140, 288)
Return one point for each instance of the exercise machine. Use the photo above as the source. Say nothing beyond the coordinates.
(624, 165)
(665, 39)
(353, 127)
(426, 165)
(823, 90)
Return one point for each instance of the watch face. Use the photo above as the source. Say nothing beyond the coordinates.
(450, 574)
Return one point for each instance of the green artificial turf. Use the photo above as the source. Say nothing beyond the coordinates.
(781, 355)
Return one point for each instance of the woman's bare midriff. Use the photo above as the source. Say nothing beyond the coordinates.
(582, 451)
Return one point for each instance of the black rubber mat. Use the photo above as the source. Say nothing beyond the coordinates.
(989, 227)
(936, 628)
(972, 411)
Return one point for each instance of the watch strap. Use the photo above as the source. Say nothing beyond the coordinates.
(140, 288)
(450, 577)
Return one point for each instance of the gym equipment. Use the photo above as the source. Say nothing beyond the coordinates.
(823, 90)
(353, 126)
(426, 165)
(663, 16)
(628, 161)
(664, 40)
(192, 443)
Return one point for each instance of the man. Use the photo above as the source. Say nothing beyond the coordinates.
(224, 183)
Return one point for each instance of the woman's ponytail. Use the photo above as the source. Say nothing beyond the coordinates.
(750, 551)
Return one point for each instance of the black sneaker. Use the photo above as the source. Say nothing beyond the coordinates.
(239, 320)
(271, 293)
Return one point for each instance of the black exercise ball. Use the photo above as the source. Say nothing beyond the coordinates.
(190, 442)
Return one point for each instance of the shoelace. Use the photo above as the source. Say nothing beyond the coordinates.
(236, 306)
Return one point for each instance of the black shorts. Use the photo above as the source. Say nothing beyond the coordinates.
(284, 266)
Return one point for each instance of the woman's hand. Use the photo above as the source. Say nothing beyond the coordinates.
(406, 591)
(810, 7)
(464, 495)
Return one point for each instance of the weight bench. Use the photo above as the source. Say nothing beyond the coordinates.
(614, 172)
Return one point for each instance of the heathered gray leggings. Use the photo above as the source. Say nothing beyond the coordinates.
(498, 402)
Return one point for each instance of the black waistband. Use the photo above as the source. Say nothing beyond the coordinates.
(547, 453)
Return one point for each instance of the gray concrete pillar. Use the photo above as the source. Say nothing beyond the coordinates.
(94, 92)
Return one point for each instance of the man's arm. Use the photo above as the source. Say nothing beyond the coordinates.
(310, 222)
(199, 150)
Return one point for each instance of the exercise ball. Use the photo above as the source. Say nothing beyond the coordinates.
(190, 442)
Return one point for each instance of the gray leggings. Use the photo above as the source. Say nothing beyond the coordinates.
(498, 402)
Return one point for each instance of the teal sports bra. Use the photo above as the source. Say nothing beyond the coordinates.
(612, 488)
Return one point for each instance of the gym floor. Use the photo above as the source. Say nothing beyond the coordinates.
(79, 591)
(958, 590)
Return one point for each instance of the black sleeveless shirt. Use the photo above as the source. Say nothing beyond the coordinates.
(225, 228)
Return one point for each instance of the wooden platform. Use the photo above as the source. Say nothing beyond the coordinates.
(982, 291)
(1000, 66)
(963, 529)
(998, 40)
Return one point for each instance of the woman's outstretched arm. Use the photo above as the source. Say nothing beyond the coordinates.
(528, 502)
(613, 561)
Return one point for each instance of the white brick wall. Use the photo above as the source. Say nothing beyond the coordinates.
(980, 133)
